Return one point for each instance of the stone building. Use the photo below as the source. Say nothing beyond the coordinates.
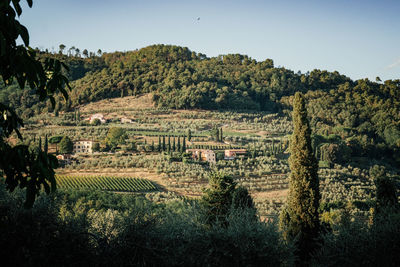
(203, 155)
(234, 153)
(83, 146)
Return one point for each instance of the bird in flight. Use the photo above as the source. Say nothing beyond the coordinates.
(198, 18)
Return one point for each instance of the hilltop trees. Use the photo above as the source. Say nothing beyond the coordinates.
(300, 221)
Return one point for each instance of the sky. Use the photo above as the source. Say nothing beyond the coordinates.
(358, 38)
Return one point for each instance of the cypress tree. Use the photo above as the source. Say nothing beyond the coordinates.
(159, 144)
(173, 145)
(300, 220)
(220, 135)
(169, 144)
(189, 135)
(184, 144)
(179, 143)
(163, 143)
(46, 144)
(152, 146)
(273, 147)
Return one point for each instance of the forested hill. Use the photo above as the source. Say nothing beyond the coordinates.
(182, 79)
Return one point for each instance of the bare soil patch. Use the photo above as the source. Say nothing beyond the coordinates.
(122, 103)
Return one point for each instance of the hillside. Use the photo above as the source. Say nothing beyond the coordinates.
(344, 171)
(363, 114)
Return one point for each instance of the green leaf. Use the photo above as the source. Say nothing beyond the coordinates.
(23, 31)
(65, 94)
(17, 7)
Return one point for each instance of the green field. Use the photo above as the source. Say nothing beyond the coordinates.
(107, 183)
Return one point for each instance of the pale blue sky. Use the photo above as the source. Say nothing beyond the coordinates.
(359, 38)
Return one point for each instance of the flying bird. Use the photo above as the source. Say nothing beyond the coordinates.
(198, 18)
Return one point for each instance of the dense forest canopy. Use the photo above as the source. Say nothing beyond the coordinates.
(365, 114)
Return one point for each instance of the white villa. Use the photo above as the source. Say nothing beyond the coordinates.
(203, 155)
(98, 116)
(83, 146)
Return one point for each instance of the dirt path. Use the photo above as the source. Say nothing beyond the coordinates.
(270, 194)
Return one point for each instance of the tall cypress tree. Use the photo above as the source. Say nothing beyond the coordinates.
(189, 135)
(184, 144)
(174, 145)
(179, 143)
(169, 144)
(159, 144)
(221, 135)
(46, 144)
(300, 221)
(163, 143)
(216, 133)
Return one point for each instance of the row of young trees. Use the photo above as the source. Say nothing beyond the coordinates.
(174, 146)
(217, 134)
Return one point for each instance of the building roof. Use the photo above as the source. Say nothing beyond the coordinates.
(200, 150)
(236, 150)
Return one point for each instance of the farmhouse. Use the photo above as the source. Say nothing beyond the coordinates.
(98, 116)
(234, 153)
(64, 158)
(83, 146)
(203, 155)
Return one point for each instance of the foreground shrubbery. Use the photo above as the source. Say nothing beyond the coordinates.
(360, 244)
(84, 228)
(97, 229)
